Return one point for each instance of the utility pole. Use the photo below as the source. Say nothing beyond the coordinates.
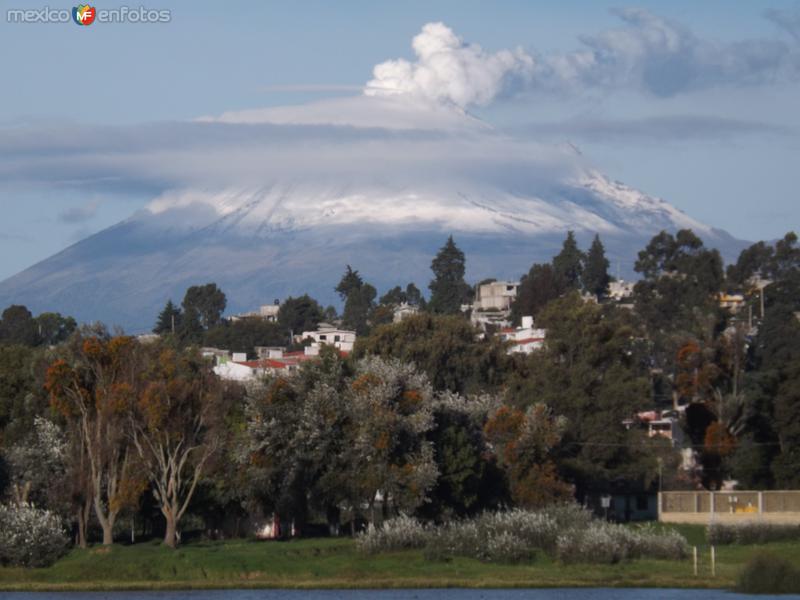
(762, 300)
(172, 317)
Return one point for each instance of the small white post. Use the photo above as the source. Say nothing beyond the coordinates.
(694, 556)
(713, 561)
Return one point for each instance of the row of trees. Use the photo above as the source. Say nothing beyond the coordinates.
(425, 415)
(124, 417)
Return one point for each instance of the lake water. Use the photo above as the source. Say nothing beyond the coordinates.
(427, 594)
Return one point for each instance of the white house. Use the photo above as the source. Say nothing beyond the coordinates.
(492, 305)
(403, 311)
(341, 339)
(620, 290)
(495, 296)
(524, 339)
(267, 312)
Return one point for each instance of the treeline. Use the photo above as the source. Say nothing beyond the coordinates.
(425, 416)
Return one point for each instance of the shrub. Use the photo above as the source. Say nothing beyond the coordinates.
(606, 543)
(599, 543)
(752, 532)
(649, 542)
(30, 537)
(567, 532)
(507, 548)
(766, 573)
(400, 533)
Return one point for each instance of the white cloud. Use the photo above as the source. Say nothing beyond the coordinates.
(648, 53)
(449, 70)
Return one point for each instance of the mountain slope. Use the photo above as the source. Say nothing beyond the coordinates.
(295, 236)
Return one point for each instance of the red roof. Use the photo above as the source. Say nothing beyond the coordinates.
(289, 359)
(266, 363)
(526, 341)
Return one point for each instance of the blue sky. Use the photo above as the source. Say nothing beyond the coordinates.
(712, 127)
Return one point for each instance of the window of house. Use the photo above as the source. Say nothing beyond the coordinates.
(641, 502)
(323, 337)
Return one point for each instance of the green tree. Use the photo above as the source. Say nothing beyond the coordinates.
(207, 301)
(390, 408)
(414, 296)
(677, 296)
(17, 326)
(536, 289)
(169, 319)
(595, 275)
(299, 314)
(243, 335)
(21, 400)
(191, 327)
(753, 261)
(470, 480)
(590, 373)
(445, 347)
(394, 297)
(448, 288)
(294, 434)
(351, 281)
(54, 328)
(359, 301)
(769, 446)
(568, 264)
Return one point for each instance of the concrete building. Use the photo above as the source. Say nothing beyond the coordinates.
(341, 339)
(524, 339)
(267, 312)
(492, 305)
(620, 290)
(216, 354)
(270, 351)
(403, 311)
(731, 302)
(495, 296)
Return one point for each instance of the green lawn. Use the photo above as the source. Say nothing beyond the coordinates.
(336, 563)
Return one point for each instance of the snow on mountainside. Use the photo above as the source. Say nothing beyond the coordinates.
(266, 211)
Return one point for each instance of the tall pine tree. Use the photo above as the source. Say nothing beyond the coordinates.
(595, 274)
(568, 264)
(169, 319)
(359, 300)
(448, 288)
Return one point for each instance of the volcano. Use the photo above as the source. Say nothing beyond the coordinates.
(378, 186)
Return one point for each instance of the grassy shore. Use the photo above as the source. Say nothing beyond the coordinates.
(335, 563)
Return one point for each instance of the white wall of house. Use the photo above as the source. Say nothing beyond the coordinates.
(338, 338)
(525, 339)
(235, 372)
(497, 295)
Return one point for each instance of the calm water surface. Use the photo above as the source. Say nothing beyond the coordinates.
(445, 594)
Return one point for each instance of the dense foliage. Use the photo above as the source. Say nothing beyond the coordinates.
(429, 416)
(30, 537)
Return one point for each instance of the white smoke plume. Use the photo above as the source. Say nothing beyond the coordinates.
(449, 70)
(648, 53)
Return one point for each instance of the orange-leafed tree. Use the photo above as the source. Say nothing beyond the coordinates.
(523, 442)
(93, 387)
(177, 424)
